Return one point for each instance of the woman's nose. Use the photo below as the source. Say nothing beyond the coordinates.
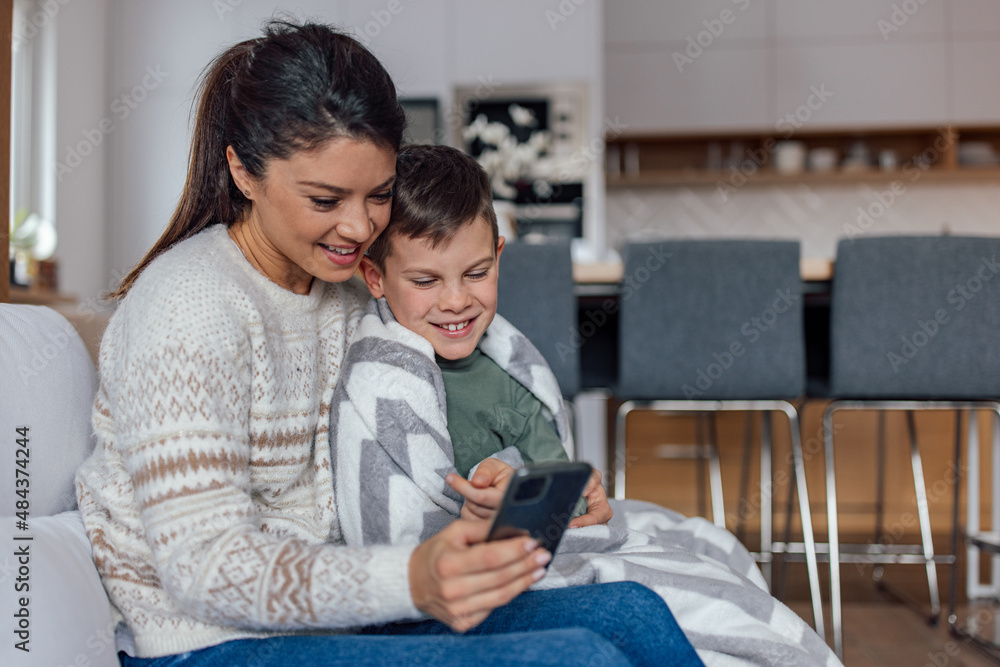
(355, 224)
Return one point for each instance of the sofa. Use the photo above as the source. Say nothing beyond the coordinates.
(52, 596)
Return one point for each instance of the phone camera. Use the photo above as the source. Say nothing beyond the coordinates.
(530, 489)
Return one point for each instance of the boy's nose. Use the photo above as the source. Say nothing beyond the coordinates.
(454, 299)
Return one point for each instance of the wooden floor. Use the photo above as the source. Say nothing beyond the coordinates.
(887, 634)
(886, 624)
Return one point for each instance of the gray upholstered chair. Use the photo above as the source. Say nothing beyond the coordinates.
(709, 326)
(915, 325)
(536, 296)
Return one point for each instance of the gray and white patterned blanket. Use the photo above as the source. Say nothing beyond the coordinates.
(393, 451)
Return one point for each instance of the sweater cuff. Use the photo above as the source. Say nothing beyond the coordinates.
(390, 571)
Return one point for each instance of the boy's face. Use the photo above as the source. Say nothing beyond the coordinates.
(448, 294)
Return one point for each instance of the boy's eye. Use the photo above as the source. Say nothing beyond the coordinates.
(479, 275)
(425, 282)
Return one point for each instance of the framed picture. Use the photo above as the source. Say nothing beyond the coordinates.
(423, 120)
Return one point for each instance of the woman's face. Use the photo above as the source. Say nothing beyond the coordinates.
(315, 213)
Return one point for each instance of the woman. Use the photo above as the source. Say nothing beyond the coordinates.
(208, 500)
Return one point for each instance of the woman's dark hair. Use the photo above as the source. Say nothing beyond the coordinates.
(438, 190)
(292, 89)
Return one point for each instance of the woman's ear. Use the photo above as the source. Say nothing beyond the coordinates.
(239, 173)
(372, 276)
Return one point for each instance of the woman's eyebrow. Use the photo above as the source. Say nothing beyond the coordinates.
(345, 191)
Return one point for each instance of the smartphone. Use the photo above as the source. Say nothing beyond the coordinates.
(539, 502)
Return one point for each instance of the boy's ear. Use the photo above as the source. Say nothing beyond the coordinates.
(372, 276)
(500, 241)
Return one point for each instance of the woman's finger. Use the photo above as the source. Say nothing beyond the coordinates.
(472, 558)
(472, 594)
(473, 610)
(458, 579)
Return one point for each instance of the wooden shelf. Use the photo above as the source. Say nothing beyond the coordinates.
(769, 177)
(924, 154)
(38, 297)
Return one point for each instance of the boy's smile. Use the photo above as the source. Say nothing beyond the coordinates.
(447, 294)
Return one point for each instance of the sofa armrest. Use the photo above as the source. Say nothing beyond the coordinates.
(53, 594)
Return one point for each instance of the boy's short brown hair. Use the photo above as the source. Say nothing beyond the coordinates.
(438, 190)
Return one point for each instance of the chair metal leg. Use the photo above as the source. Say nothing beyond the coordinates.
(805, 514)
(834, 538)
(956, 486)
(715, 475)
(766, 493)
(995, 504)
(976, 540)
(880, 481)
(786, 538)
(923, 512)
(798, 463)
(620, 450)
(703, 444)
(745, 478)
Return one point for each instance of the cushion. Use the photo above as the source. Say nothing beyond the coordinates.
(48, 387)
(68, 615)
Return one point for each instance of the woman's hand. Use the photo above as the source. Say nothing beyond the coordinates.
(598, 508)
(485, 490)
(459, 579)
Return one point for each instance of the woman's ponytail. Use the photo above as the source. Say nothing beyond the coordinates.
(209, 196)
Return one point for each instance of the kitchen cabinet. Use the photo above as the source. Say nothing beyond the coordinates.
(976, 97)
(869, 85)
(890, 63)
(631, 24)
(821, 21)
(974, 18)
(647, 93)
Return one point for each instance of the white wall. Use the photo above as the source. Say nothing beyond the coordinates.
(134, 63)
(83, 99)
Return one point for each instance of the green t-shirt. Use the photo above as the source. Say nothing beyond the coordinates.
(488, 411)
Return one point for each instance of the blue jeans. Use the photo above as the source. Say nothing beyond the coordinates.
(601, 625)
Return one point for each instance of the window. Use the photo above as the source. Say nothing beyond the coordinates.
(32, 178)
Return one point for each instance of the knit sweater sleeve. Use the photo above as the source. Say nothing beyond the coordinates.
(185, 377)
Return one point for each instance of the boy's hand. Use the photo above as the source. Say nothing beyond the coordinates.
(485, 490)
(598, 509)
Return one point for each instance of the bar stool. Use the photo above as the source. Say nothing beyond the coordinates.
(716, 326)
(914, 327)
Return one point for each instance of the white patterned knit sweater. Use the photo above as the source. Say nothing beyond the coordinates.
(209, 499)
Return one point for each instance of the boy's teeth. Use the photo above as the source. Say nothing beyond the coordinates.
(456, 327)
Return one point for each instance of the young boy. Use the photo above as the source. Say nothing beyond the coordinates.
(436, 265)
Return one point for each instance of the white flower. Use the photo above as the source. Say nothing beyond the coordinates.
(503, 157)
(522, 117)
